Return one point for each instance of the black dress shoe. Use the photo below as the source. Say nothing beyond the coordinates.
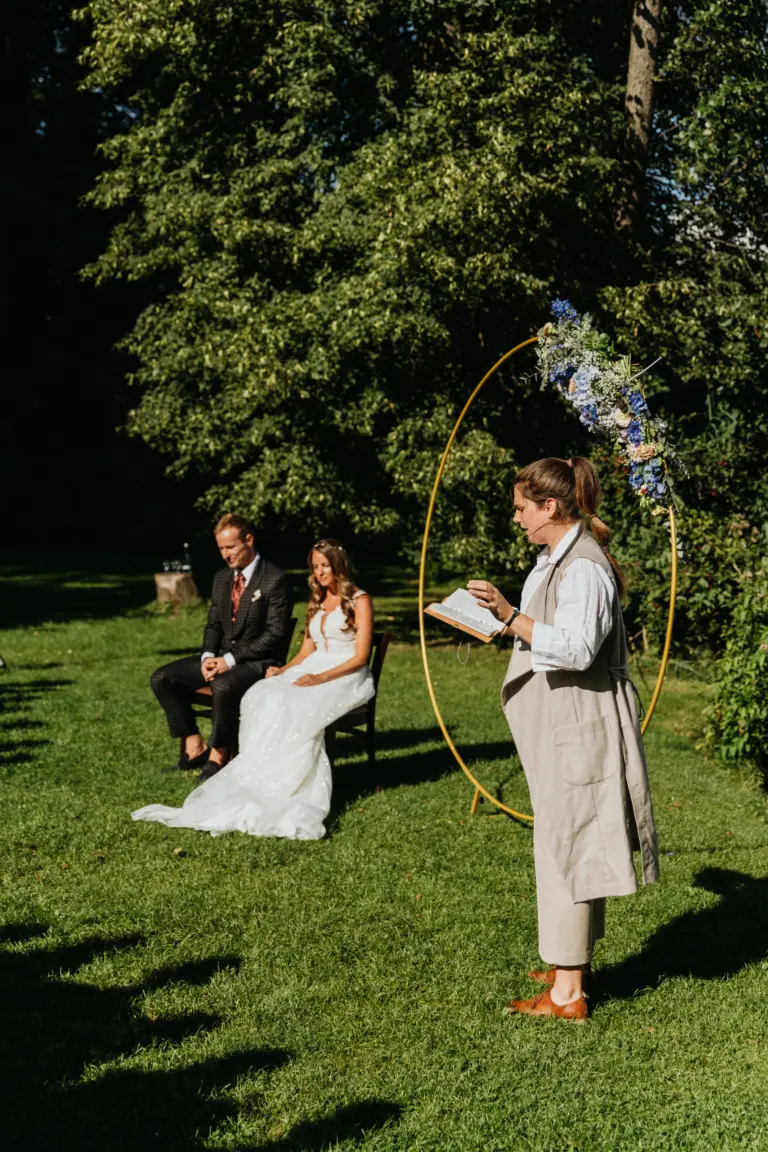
(210, 770)
(189, 765)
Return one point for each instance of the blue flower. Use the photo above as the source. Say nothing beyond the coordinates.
(636, 476)
(582, 379)
(648, 480)
(561, 374)
(588, 416)
(634, 432)
(650, 477)
(637, 403)
(564, 310)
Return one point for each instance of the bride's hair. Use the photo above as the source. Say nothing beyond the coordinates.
(341, 566)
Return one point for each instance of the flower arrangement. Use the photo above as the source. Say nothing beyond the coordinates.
(583, 366)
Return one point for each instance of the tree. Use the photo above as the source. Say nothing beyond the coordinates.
(699, 299)
(638, 101)
(352, 210)
(347, 211)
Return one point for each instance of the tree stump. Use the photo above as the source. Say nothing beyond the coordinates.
(176, 588)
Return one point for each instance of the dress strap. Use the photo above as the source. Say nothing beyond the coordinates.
(360, 592)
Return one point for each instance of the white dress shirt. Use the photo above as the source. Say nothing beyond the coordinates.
(248, 571)
(584, 613)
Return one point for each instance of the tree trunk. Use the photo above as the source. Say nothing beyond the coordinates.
(176, 588)
(641, 71)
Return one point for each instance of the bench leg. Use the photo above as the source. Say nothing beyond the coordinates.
(370, 741)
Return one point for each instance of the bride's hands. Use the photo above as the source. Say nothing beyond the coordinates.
(488, 596)
(272, 671)
(309, 680)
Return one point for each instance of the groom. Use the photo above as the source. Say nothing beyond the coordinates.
(246, 633)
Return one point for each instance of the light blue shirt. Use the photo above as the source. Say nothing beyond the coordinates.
(584, 613)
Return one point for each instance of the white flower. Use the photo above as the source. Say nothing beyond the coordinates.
(623, 419)
(256, 595)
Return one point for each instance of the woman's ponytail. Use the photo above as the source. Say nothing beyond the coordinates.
(574, 485)
(587, 496)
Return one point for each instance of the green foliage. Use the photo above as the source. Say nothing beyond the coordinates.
(719, 545)
(738, 717)
(345, 212)
(699, 299)
(349, 212)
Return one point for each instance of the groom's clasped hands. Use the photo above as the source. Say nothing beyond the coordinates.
(213, 666)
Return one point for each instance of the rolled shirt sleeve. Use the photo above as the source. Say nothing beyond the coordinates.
(583, 619)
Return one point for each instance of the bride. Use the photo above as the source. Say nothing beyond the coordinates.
(280, 782)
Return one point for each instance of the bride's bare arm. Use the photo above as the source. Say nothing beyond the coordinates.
(363, 642)
(307, 648)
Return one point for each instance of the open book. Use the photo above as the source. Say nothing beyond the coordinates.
(462, 611)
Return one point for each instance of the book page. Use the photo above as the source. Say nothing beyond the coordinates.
(469, 611)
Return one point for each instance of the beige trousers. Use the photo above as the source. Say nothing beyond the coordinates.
(567, 931)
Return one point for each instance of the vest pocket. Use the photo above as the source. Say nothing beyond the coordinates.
(589, 752)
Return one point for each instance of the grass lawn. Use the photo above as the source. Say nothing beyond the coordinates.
(167, 990)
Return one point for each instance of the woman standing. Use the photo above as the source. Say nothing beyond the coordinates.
(280, 783)
(570, 706)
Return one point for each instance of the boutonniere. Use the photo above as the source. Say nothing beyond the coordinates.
(256, 596)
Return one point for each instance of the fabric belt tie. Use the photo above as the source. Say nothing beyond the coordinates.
(620, 674)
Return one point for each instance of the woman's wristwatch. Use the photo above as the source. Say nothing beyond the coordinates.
(513, 616)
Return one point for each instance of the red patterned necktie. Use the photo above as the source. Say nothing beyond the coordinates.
(237, 593)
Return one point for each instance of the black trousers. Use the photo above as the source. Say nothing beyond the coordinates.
(175, 685)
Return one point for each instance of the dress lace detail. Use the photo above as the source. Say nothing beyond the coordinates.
(280, 783)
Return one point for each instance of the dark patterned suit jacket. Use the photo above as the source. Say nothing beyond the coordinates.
(260, 630)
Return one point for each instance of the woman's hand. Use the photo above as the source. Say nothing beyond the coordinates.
(488, 596)
(310, 680)
(272, 671)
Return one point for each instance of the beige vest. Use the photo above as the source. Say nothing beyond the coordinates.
(578, 737)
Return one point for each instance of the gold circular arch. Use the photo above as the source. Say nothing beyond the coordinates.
(480, 790)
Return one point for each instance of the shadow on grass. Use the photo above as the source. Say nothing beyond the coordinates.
(55, 1027)
(350, 1123)
(403, 739)
(711, 944)
(132, 1109)
(29, 598)
(352, 781)
(15, 699)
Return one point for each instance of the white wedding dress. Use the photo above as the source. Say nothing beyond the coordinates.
(280, 783)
